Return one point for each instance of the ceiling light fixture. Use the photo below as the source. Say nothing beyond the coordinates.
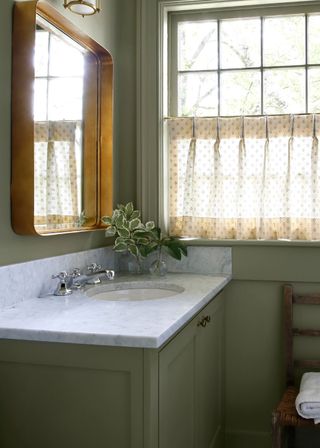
(83, 7)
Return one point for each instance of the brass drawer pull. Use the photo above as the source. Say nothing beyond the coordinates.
(203, 322)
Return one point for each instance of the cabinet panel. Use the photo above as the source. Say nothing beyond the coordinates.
(72, 406)
(210, 343)
(191, 383)
(177, 391)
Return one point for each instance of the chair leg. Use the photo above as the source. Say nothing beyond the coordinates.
(276, 432)
(291, 436)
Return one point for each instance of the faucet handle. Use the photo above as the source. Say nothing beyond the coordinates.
(94, 267)
(63, 275)
(74, 283)
(62, 288)
(110, 274)
(75, 273)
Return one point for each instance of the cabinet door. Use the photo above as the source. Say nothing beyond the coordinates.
(209, 362)
(70, 396)
(177, 391)
(190, 383)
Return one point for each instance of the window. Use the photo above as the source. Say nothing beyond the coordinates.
(246, 66)
(243, 131)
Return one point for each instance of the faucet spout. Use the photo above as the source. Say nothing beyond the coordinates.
(95, 272)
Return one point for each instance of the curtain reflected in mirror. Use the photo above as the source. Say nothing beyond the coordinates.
(62, 124)
(58, 130)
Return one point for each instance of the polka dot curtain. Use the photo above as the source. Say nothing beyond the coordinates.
(57, 175)
(245, 178)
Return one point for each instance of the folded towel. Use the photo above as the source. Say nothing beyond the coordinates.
(308, 399)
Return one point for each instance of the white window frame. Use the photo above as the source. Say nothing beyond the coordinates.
(152, 79)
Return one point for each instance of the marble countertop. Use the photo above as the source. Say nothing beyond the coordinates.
(80, 319)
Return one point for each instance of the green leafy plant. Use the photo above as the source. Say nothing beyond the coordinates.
(137, 238)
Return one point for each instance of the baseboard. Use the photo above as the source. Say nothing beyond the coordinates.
(247, 439)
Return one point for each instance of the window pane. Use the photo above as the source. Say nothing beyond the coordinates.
(284, 40)
(197, 45)
(65, 59)
(65, 99)
(40, 100)
(313, 39)
(41, 53)
(240, 43)
(197, 94)
(314, 90)
(240, 92)
(284, 91)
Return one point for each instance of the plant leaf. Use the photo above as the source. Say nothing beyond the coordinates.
(119, 222)
(183, 248)
(173, 251)
(146, 250)
(129, 209)
(150, 225)
(143, 241)
(121, 207)
(120, 240)
(120, 247)
(135, 214)
(111, 231)
(156, 232)
(141, 233)
(134, 224)
(115, 216)
(132, 248)
(124, 233)
(106, 220)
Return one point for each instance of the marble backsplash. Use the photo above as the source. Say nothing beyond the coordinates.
(23, 281)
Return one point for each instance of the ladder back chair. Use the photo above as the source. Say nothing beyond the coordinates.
(285, 417)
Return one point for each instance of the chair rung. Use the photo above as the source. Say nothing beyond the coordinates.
(300, 332)
(309, 363)
(308, 299)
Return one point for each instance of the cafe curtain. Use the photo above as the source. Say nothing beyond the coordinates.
(56, 199)
(244, 178)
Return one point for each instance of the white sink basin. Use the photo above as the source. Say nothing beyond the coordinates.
(134, 291)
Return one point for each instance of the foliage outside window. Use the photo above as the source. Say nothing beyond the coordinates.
(244, 127)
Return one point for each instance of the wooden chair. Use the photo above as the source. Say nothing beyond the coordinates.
(285, 417)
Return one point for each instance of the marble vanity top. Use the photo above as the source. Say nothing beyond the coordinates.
(80, 319)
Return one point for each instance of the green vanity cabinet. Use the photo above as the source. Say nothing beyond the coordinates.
(57, 395)
(191, 383)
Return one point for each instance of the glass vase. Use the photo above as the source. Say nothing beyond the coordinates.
(135, 265)
(159, 266)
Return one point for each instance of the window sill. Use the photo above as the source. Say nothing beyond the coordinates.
(259, 243)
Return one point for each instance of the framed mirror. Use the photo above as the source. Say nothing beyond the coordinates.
(61, 124)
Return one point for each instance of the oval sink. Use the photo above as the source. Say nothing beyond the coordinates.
(134, 291)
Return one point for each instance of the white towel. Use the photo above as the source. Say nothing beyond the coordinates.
(308, 399)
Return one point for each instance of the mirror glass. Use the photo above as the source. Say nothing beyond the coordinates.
(59, 64)
(62, 96)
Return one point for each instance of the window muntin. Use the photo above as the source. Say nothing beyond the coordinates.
(59, 71)
(253, 65)
(243, 128)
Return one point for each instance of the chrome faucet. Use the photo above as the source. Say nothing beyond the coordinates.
(75, 280)
(63, 288)
(94, 272)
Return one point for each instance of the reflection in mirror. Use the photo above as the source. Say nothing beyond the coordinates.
(58, 93)
(61, 124)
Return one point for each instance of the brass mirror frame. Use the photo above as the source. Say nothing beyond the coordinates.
(98, 107)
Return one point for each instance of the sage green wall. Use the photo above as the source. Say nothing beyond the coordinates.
(254, 356)
(115, 29)
(254, 349)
